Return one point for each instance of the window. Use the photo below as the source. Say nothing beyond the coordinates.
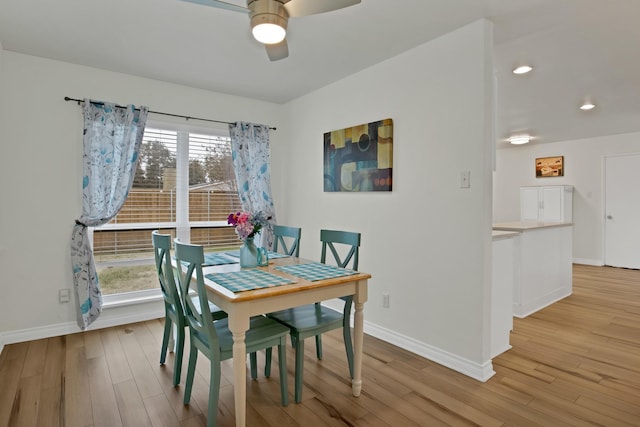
(184, 185)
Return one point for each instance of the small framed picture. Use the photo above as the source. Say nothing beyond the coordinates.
(549, 166)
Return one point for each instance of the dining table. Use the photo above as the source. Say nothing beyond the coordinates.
(284, 283)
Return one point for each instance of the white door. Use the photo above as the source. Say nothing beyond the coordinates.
(622, 211)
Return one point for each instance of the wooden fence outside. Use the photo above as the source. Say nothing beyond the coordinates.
(160, 206)
(153, 206)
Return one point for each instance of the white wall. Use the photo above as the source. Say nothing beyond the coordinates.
(41, 170)
(583, 161)
(426, 243)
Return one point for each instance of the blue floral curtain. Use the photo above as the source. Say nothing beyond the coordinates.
(252, 165)
(112, 138)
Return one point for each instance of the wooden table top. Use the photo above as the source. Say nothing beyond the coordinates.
(300, 284)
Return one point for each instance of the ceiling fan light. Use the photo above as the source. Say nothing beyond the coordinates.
(268, 33)
(268, 21)
(519, 139)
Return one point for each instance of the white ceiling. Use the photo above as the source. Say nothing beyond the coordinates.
(578, 48)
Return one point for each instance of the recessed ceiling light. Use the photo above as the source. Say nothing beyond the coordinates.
(587, 106)
(523, 69)
(519, 139)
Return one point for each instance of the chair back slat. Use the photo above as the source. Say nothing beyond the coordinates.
(343, 239)
(162, 254)
(198, 318)
(283, 235)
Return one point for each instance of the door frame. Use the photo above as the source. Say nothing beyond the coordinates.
(603, 206)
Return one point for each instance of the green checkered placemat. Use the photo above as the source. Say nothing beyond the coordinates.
(247, 280)
(315, 271)
(218, 258)
(215, 258)
(274, 255)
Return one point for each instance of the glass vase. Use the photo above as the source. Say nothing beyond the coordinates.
(248, 254)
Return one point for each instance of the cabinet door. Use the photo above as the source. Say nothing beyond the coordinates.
(530, 204)
(553, 204)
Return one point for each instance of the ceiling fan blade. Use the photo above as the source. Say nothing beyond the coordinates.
(312, 7)
(277, 51)
(220, 5)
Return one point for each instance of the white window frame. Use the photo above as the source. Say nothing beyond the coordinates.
(182, 225)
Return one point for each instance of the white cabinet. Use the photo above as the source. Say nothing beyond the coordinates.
(543, 265)
(544, 204)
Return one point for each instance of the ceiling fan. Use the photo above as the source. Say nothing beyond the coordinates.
(269, 18)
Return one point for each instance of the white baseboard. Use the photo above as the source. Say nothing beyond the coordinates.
(523, 310)
(481, 372)
(108, 318)
(588, 261)
(155, 310)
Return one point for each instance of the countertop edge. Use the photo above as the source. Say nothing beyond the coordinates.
(524, 226)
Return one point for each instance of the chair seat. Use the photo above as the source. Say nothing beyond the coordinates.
(216, 312)
(261, 330)
(309, 317)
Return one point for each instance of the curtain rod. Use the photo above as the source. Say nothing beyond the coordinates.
(79, 101)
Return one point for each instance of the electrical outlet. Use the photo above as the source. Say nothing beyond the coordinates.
(63, 295)
(465, 179)
(385, 300)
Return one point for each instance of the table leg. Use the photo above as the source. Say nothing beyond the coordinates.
(358, 335)
(238, 325)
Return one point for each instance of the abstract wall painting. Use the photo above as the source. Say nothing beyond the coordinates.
(359, 158)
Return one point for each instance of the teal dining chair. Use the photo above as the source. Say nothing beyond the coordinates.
(214, 339)
(173, 311)
(286, 240)
(312, 320)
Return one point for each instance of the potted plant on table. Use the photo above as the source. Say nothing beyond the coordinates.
(247, 225)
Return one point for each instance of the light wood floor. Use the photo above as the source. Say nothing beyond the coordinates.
(576, 363)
